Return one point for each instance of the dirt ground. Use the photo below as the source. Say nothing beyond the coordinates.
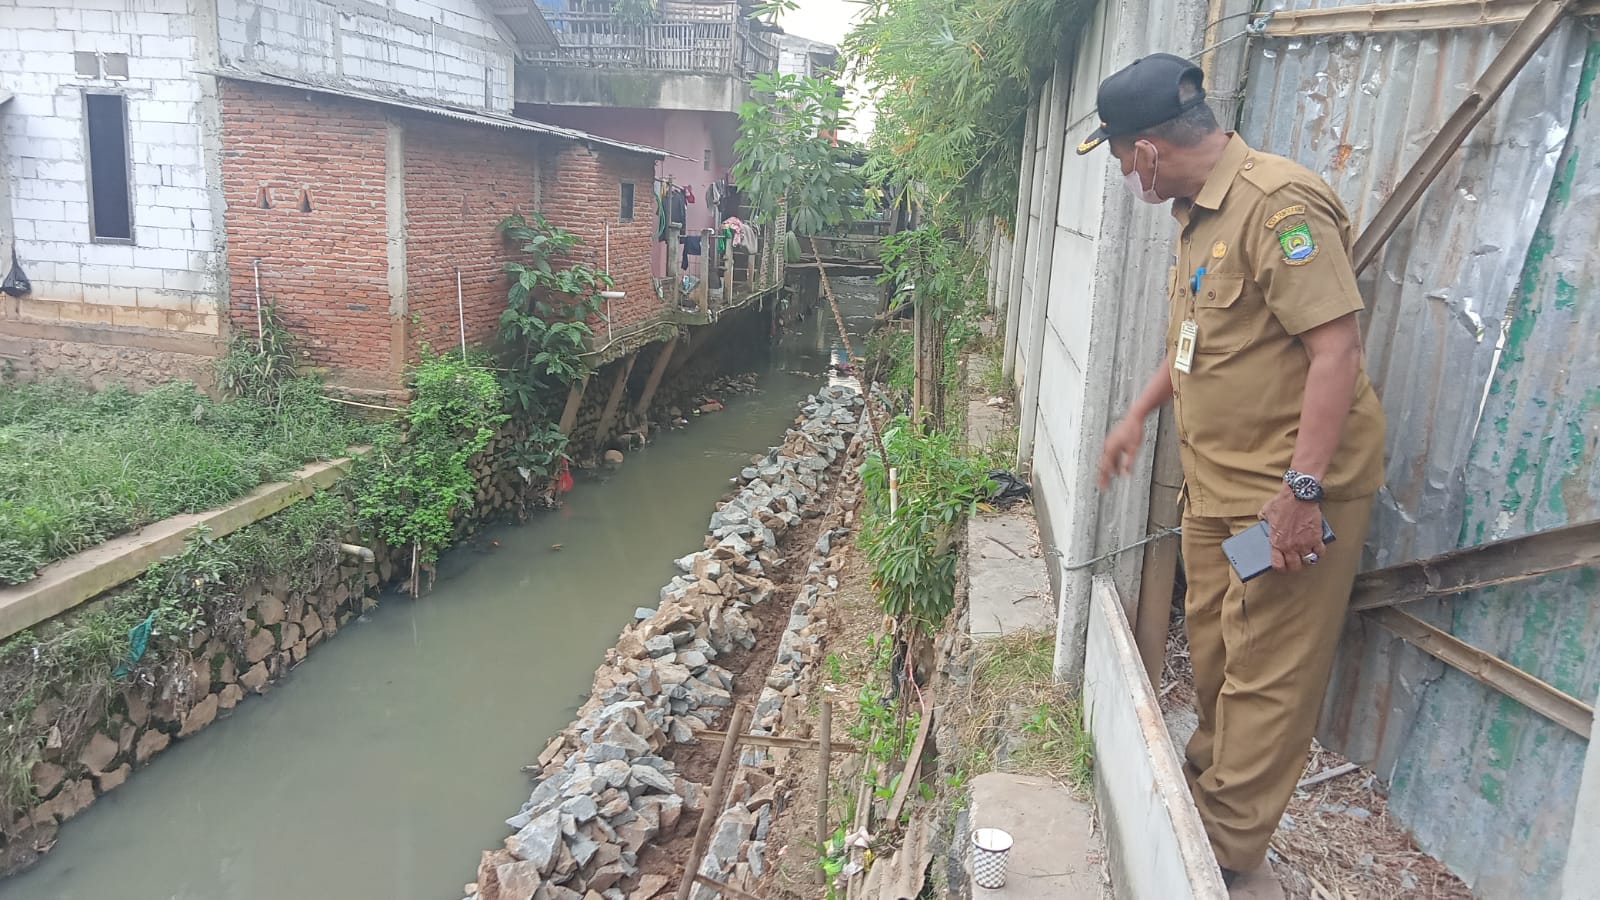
(1336, 841)
(852, 619)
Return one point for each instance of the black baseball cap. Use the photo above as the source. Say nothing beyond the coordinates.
(1143, 95)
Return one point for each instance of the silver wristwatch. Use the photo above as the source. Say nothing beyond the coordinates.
(1303, 486)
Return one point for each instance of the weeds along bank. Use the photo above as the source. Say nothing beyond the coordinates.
(90, 696)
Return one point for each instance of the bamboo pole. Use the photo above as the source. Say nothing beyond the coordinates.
(708, 815)
(824, 760)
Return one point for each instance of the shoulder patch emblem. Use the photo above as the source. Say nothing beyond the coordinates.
(1298, 209)
(1297, 243)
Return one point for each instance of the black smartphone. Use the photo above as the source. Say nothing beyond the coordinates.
(1250, 552)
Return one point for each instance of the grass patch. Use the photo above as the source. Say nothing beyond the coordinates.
(78, 467)
(61, 675)
(1019, 719)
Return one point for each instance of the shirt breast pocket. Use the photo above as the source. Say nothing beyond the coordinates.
(1225, 325)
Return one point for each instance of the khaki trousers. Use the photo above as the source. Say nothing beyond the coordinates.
(1261, 653)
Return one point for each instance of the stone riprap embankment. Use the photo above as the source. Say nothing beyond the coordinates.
(605, 789)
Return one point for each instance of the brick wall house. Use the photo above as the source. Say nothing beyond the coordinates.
(355, 216)
(158, 164)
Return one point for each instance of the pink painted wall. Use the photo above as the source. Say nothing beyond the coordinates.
(688, 134)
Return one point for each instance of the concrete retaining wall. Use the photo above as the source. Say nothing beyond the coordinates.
(1157, 845)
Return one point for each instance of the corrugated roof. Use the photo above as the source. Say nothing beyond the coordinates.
(475, 117)
(526, 23)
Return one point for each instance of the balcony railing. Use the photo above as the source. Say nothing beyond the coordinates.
(723, 46)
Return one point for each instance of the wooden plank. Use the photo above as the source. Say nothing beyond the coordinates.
(1542, 19)
(1488, 669)
(1482, 566)
(1428, 15)
(913, 762)
(64, 585)
(713, 807)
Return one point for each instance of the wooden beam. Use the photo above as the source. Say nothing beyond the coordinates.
(913, 763)
(1488, 669)
(63, 585)
(781, 743)
(653, 382)
(569, 414)
(1486, 565)
(1542, 18)
(619, 387)
(1427, 15)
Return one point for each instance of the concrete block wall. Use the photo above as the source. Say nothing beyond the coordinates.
(444, 51)
(166, 278)
(326, 270)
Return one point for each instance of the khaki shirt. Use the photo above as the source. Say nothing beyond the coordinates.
(1275, 241)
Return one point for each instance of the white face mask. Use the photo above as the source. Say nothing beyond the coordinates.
(1136, 187)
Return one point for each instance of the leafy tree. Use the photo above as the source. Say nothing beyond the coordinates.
(954, 82)
(790, 156)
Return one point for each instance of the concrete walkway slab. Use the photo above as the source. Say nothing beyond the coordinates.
(1057, 854)
(1009, 588)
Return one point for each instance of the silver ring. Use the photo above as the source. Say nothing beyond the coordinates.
(1311, 558)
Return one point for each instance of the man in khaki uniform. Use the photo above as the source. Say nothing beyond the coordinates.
(1276, 421)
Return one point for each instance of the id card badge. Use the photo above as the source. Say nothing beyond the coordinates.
(1184, 358)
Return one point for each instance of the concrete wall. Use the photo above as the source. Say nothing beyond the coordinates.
(166, 278)
(1091, 313)
(1157, 845)
(444, 51)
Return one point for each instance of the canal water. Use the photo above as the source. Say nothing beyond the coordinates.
(384, 764)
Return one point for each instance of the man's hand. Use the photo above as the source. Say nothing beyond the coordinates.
(1294, 529)
(1121, 445)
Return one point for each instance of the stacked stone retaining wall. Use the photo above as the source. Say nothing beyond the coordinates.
(605, 788)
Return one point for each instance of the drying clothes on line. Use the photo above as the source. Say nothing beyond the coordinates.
(715, 194)
(691, 247)
(745, 236)
(671, 210)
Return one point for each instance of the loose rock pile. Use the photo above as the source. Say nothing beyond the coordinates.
(603, 787)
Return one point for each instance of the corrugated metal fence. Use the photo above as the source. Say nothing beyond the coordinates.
(1482, 338)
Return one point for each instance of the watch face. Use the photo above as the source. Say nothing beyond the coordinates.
(1304, 487)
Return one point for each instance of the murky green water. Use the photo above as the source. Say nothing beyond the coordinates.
(384, 764)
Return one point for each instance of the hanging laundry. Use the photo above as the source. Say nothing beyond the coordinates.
(745, 236)
(691, 247)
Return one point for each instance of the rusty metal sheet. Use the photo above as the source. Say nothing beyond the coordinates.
(1481, 340)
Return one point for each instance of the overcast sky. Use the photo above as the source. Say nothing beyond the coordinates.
(829, 21)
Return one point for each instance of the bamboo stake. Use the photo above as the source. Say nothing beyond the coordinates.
(708, 815)
(728, 889)
(824, 760)
(781, 743)
(844, 338)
